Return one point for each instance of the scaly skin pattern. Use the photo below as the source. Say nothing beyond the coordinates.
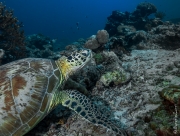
(83, 106)
(26, 89)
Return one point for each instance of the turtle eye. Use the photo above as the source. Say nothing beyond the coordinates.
(85, 53)
(69, 58)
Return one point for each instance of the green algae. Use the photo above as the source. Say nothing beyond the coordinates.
(113, 77)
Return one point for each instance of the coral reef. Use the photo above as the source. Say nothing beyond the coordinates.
(134, 76)
(161, 36)
(144, 9)
(136, 103)
(40, 46)
(92, 43)
(38, 40)
(102, 36)
(11, 36)
(137, 19)
(99, 58)
(95, 41)
(125, 29)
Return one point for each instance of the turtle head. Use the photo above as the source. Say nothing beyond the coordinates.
(78, 59)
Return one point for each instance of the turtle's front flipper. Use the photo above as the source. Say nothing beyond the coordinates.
(84, 107)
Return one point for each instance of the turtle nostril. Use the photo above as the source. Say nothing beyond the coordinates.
(84, 54)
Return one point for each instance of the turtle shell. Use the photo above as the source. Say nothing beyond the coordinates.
(26, 89)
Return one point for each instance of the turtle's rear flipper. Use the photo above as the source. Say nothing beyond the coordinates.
(84, 107)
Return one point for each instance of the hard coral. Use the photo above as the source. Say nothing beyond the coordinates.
(11, 37)
(38, 40)
(92, 43)
(102, 36)
(144, 9)
(138, 19)
(95, 41)
(125, 29)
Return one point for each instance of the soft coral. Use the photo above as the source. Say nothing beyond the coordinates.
(11, 37)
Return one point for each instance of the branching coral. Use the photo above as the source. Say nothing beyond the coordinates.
(11, 37)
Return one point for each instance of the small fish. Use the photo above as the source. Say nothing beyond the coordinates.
(77, 24)
(53, 41)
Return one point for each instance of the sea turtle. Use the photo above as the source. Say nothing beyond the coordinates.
(30, 88)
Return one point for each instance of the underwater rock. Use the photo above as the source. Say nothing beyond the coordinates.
(177, 64)
(115, 74)
(111, 61)
(137, 19)
(88, 76)
(171, 94)
(114, 20)
(159, 37)
(99, 58)
(126, 29)
(113, 78)
(152, 23)
(137, 37)
(118, 46)
(165, 120)
(165, 36)
(1, 55)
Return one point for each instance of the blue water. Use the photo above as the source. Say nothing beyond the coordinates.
(59, 18)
